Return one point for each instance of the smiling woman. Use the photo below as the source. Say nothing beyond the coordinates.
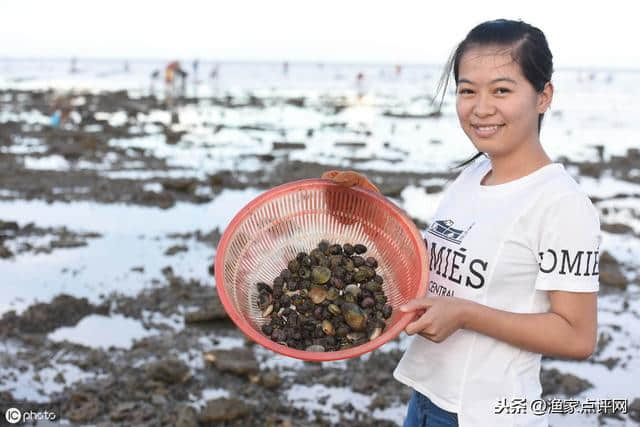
(497, 298)
(501, 69)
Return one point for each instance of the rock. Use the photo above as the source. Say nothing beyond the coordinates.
(83, 407)
(239, 361)
(59, 378)
(406, 115)
(5, 252)
(379, 402)
(352, 144)
(297, 101)
(289, 145)
(212, 312)
(616, 228)
(223, 409)
(611, 272)
(173, 280)
(211, 238)
(132, 413)
(159, 400)
(175, 249)
(187, 417)
(9, 226)
(64, 310)
(163, 200)
(609, 362)
(270, 380)
(554, 382)
(122, 411)
(634, 409)
(604, 339)
(187, 186)
(169, 371)
(431, 189)
(590, 169)
(614, 278)
(67, 243)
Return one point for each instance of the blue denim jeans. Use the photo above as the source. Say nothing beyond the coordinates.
(423, 413)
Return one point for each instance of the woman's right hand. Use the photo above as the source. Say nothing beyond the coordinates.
(350, 179)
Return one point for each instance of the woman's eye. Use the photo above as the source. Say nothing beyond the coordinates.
(465, 91)
(502, 90)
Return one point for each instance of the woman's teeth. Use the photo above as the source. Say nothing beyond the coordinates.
(486, 131)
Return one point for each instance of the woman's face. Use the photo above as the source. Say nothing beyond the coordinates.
(497, 106)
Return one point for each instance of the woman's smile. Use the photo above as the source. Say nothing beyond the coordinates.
(486, 131)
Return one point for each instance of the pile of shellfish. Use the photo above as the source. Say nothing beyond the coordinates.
(326, 300)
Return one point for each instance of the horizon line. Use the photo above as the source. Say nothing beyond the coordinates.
(626, 68)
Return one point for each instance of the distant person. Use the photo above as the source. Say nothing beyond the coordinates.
(155, 74)
(360, 85)
(61, 108)
(174, 82)
(74, 66)
(127, 67)
(195, 65)
(213, 75)
(513, 248)
(285, 68)
(398, 70)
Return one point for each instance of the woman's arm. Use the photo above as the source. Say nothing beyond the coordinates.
(568, 330)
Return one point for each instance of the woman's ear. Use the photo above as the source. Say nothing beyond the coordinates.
(545, 97)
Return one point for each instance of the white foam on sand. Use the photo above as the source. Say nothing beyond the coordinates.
(312, 397)
(206, 395)
(38, 386)
(104, 265)
(103, 332)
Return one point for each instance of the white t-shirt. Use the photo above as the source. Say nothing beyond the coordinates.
(502, 246)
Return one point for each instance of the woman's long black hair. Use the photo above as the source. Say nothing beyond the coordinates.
(529, 49)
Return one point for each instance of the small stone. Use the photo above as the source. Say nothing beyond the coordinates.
(238, 361)
(158, 400)
(634, 409)
(123, 411)
(63, 243)
(270, 380)
(5, 252)
(187, 417)
(214, 311)
(169, 371)
(223, 409)
(83, 407)
(175, 249)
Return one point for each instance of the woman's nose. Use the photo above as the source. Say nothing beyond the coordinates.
(483, 106)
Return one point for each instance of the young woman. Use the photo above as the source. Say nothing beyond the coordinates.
(513, 248)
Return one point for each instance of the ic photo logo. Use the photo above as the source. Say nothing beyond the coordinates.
(13, 415)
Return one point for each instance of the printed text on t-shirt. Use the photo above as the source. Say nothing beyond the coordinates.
(446, 262)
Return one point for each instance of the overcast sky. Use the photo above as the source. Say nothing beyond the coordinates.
(602, 34)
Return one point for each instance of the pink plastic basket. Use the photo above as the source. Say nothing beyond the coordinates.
(294, 217)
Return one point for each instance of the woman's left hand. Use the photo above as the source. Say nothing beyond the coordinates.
(437, 317)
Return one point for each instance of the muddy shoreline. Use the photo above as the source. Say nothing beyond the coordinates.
(166, 378)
